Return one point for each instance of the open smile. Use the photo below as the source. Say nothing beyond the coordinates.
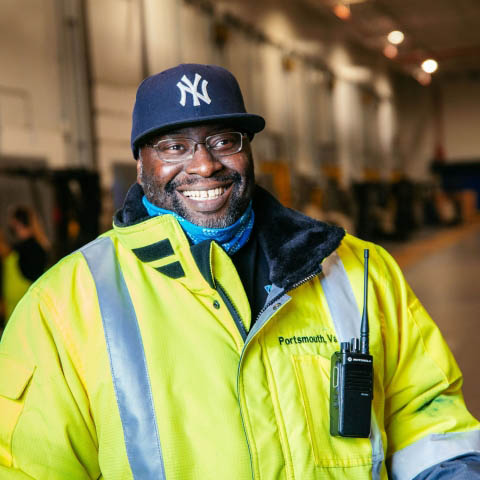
(207, 199)
(204, 194)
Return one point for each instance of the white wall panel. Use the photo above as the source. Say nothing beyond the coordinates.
(238, 58)
(113, 107)
(114, 29)
(47, 144)
(109, 153)
(114, 128)
(415, 129)
(274, 92)
(461, 117)
(114, 98)
(116, 54)
(195, 36)
(348, 126)
(164, 33)
(30, 109)
(318, 129)
(298, 98)
(387, 127)
(257, 99)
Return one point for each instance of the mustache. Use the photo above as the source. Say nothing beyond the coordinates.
(173, 184)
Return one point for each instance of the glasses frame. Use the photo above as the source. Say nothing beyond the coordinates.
(188, 157)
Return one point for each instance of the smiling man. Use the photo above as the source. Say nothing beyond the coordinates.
(194, 340)
(204, 174)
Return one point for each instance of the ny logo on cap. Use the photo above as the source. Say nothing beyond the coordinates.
(188, 86)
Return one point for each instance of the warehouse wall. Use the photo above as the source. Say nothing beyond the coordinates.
(44, 100)
(31, 117)
(70, 68)
(460, 96)
(289, 91)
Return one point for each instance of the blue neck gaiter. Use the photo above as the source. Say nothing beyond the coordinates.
(231, 238)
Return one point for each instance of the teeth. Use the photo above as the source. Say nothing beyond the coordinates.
(202, 194)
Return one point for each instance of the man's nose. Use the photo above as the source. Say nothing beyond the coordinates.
(203, 162)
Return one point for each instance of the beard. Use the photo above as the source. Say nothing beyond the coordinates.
(170, 199)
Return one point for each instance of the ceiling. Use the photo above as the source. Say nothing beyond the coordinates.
(446, 30)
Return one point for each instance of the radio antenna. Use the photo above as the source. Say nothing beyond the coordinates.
(364, 328)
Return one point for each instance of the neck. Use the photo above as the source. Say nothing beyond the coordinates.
(231, 238)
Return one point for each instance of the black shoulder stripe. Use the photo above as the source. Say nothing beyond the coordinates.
(201, 254)
(172, 270)
(155, 251)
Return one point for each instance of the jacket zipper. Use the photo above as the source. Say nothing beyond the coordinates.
(274, 299)
(243, 332)
(232, 309)
(271, 302)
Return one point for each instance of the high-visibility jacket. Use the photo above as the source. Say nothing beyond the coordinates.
(134, 358)
(14, 282)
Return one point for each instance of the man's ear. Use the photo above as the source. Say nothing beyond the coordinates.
(139, 169)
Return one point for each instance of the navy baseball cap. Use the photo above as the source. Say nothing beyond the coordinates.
(189, 94)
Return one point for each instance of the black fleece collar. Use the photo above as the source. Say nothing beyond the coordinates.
(294, 244)
(133, 211)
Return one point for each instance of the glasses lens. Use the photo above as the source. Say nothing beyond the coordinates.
(174, 149)
(182, 149)
(224, 143)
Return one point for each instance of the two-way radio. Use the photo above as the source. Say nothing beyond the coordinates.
(351, 380)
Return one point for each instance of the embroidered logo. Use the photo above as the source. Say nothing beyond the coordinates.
(307, 339)
(188, 87)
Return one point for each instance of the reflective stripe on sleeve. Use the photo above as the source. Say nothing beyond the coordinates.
(347, 319)
(127, 361)
(436, 448)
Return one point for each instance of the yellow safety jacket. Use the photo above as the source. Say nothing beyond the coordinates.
(14, 282)
(134, 358)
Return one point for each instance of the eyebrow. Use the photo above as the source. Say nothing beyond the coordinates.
(184, 134)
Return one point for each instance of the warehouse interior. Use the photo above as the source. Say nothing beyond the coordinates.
(377, 133)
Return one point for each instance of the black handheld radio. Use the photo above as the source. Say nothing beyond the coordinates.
(351, 380)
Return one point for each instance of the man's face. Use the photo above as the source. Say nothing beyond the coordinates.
(228, 181)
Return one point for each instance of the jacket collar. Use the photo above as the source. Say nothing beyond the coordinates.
(294, 244)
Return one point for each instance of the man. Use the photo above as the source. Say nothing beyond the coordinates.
(193, 341)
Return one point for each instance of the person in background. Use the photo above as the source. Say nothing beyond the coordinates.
(25, 259)
(193, 341)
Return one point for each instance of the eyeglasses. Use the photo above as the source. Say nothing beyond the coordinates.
(182, 149)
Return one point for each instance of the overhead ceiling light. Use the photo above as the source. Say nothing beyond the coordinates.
(342, 11)
(396, 37)
(390, 51)
(429, 65)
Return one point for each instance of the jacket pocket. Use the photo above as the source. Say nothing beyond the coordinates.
(313, 378)
(14, 379)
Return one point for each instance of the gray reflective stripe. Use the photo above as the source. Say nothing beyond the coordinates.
(377, 448)
(127, 361)
(347, 318)
(340, 298)
(417, 457)
(264, 317)
(274, 292)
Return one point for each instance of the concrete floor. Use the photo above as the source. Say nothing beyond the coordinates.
(444, 272)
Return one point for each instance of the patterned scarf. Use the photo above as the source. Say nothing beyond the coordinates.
(231, 238)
